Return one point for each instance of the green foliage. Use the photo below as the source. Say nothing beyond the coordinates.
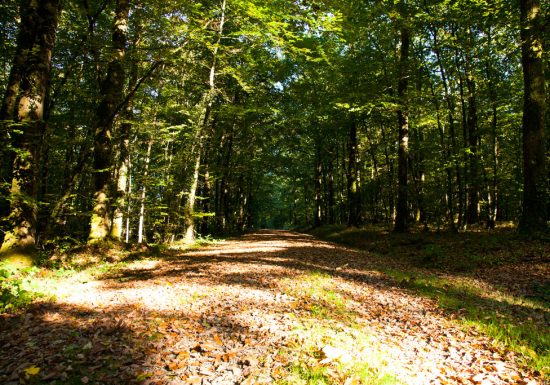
(306, 375)
(17, 289)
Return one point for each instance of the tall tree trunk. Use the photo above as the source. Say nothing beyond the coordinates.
(124, 158)
(190, 206)
(492, 191)
(141, 225)
(473, 159)
(36, 32)
(452, 136)
(202, 134)
(317, 213)
(354, 201)
(535, 179)
(390, 215)
(402, 212)
(331, 213)
(111, 90)
(128, 202)
(25, 41)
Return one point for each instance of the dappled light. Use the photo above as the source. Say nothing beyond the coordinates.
(264, 308)
(286, 192)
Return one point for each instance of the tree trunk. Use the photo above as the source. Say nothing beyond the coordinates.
(390, 215)
(202, 135)
(37, 33)
(190, 207)
(124, 159)
(128, 202)
(141, 225)
(402, 212)
(451, 151)
(354, 201)
(492, 191)
(111, 90)
(25, 41)
(535, 182)
(317, 214)
(331, 213)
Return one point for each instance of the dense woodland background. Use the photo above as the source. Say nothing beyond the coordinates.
(156, 121)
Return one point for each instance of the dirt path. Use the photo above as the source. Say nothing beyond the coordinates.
(269, 307)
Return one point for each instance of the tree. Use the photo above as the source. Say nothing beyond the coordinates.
(535, 179)
(26, 104)
(402, 213)
(111, 89)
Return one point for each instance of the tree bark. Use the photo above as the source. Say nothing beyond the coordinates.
(111, 90)
(402, 208)
(37, 35)
(124, 157)
(25, 41)
(535, 182)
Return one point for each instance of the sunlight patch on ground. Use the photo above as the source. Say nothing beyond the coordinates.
(297, 314)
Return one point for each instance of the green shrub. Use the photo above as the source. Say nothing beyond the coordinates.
(13, 292)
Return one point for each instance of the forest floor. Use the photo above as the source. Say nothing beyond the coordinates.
(277, 307)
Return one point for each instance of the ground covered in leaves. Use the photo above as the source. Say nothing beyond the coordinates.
(273, 307)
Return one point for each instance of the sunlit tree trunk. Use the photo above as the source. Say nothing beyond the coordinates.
(535, 178)
(190, 206)
(402, 212)
(124, 159)
(208, 101)
(128, 202)
(111, 90)
(37, 35)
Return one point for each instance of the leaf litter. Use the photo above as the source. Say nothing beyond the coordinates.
(256, 309)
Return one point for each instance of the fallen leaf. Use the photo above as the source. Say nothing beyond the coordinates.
(218, 340)
(31, 371)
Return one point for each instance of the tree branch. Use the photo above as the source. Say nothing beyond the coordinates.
(131, 94)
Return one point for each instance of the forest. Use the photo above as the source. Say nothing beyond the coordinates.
(159, 121)
(146, 131)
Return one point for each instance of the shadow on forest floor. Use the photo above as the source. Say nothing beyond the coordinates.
(504, 293)
(164, 318)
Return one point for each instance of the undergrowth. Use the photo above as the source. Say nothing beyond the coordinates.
(18, 288)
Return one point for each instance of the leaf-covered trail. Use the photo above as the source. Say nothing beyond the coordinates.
(269, 307)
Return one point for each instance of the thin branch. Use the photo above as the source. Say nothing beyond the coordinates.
(131, 94)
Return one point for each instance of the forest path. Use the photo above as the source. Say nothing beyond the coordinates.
(267, 307)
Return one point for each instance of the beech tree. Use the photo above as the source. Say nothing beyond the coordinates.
(24, 112)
